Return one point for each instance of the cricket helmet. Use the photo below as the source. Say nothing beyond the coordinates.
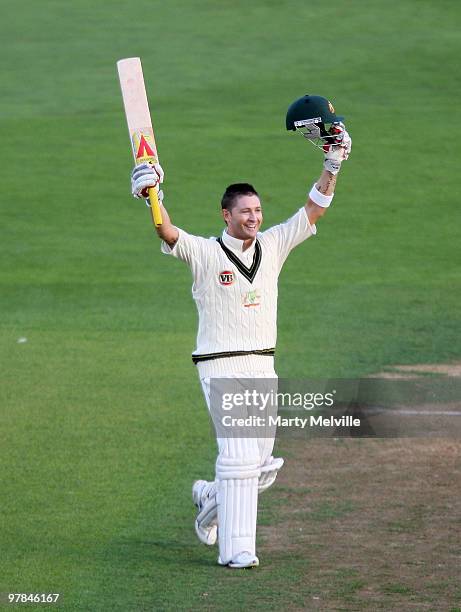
(310, 115)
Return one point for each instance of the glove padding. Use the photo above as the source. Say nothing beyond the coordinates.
(144, 176)
(337, 151)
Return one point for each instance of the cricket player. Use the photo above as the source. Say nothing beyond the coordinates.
(235, 280)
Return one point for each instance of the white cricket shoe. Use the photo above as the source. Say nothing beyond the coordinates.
(242, 560)
(206, 533)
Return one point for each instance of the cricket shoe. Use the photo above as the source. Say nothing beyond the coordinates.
(241, 561)
(204, 498)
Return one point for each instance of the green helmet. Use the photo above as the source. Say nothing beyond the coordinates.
(310, 110)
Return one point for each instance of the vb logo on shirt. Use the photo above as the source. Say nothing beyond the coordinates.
(226, 277)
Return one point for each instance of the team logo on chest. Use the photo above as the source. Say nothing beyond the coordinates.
(251, 298)
(226, 277)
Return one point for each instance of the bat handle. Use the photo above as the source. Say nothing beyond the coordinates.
(155, 207)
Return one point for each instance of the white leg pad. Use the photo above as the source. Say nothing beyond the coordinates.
(237, 511)
(207, 517)
(237, 473)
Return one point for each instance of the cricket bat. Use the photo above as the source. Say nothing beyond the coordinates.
(139, 122)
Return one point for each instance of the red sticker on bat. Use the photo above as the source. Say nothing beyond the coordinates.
(144, 149)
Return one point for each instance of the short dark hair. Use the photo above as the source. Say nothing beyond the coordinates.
(234, 191)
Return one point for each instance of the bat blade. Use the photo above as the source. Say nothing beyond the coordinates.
(138, 119)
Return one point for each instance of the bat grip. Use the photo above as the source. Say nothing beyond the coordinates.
(155, 207)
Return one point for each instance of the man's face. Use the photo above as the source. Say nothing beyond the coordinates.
(245, 218)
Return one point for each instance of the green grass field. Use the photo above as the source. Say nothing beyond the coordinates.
(103, 424)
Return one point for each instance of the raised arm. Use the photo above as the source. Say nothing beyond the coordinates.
(167, 231)
(143, 177)
(325, 186)
(322, 192)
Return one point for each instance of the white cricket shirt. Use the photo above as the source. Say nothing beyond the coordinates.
(236, 291)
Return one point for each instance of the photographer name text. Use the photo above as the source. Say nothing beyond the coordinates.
(278, 421)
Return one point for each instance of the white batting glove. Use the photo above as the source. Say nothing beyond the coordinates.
(144, 176)
(337, 152)
(159, 196)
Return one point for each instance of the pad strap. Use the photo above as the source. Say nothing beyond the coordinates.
(269, 473)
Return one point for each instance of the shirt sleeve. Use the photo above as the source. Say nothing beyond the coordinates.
(190, 249)
(286, 236)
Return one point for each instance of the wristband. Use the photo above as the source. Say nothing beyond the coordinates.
(319, 198)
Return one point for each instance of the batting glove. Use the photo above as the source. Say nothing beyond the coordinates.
(338, 150)
(159, 196)
(144, 176)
